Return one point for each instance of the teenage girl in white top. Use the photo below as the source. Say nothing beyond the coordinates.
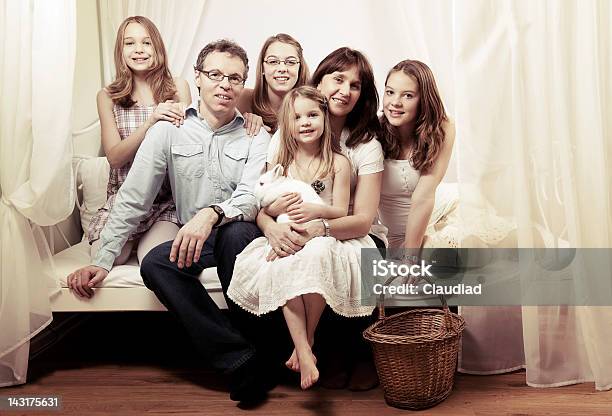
(418, 140)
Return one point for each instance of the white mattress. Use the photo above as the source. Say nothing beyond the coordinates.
(123, 288)
(127, 275)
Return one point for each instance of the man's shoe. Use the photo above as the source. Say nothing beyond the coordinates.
(250, 383)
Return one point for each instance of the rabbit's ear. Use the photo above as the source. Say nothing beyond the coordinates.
(278, 170)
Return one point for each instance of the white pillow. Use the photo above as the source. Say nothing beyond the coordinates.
(447, 198)
(91, 179)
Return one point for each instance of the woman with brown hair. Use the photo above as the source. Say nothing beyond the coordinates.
(280, 68)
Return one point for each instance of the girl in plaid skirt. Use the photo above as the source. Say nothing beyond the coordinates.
(143, 93)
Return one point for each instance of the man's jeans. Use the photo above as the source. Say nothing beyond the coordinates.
(184, 296)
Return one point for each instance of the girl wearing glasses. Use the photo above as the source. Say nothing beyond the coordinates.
(280, 68)
(346, 80)
(143, 93)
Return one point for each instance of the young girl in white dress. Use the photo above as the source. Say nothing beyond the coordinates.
(303, 283)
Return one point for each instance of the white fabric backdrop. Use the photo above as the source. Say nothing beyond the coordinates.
(387, 32)
(533, 111)
(35, 155)
(176, 21)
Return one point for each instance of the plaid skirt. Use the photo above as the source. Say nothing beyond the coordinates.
(163, 208)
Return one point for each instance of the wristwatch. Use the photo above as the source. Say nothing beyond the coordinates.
(219, 211)
(327, 228)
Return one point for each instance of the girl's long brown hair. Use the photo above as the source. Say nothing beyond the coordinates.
(429, 131)
(288, 143)
(362, 121)
(159, 77)
(261, 101)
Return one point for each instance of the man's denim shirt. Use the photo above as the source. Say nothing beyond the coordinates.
(205, 166)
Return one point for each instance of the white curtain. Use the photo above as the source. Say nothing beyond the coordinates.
(37, 51)
(177, 21)
(533, 112)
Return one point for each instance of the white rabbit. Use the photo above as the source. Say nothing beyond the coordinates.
(273, 184)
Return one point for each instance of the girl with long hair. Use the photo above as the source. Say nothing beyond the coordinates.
(142, 94)
(418, 140)
(346, 80)
(280, 68)
(308, 153)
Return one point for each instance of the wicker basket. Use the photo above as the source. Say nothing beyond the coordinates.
(416, 354)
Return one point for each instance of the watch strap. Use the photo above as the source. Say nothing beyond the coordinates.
(219, 211)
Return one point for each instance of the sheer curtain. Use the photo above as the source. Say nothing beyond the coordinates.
(533, 111)
(37, 51)
(177, 21)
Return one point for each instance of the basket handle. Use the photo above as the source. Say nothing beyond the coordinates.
(447, 318)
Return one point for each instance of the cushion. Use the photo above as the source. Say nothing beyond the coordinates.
(447, 199)
(92, 179)
(127, 275)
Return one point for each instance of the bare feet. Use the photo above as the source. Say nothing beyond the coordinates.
(293, 363)
(309, 373)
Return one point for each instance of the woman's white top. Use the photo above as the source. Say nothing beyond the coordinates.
(399, 182)
(366, 158)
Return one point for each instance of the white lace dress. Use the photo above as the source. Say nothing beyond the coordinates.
(325, 266)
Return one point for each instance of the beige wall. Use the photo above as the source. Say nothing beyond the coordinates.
(87, 77)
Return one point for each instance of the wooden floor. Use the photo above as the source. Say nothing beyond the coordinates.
(113, 364)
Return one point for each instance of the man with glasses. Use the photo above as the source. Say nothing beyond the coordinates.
(213, 166)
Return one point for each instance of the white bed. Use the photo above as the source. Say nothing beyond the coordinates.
(123, 288)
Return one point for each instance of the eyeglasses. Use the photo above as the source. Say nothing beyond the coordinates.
(218, 76)
(275, 61)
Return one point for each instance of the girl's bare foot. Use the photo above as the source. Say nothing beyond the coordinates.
(294, 364)
(308, 370)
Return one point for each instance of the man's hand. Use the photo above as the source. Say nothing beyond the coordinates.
(82, 280)
(282, 203)
(191, 238)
